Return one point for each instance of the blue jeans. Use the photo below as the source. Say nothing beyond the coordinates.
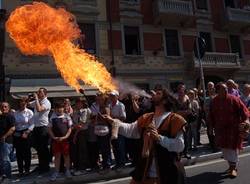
(5, 165)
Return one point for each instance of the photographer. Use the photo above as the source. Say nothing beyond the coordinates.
(42, 108)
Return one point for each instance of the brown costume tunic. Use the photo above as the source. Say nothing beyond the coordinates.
(169, 169)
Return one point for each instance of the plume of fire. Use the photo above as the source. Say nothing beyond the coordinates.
(39, 29)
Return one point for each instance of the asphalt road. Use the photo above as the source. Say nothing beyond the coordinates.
(211, 172)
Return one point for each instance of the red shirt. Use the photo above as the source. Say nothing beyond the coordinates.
(225, 116)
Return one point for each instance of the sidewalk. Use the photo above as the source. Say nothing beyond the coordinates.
(203, 154)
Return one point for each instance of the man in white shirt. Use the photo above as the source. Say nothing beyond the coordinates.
(24, 125)
(161, 136)
(117, 111)
(42, 108)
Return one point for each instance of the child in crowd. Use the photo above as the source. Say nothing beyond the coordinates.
(59, 130)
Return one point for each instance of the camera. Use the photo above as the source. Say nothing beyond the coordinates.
(31, 96)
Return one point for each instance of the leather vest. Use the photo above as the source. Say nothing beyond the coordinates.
(168, 166)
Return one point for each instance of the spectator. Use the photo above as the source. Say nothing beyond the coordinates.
(211, 93)
(24, 125)
(193, 120)
(81, 120)
(117, 110)
(102, 129)
(7, 127)
(245, 97)
(231, 85)
(40, 135)
(201, 116)
(67, 107)
(59, 130)
(227, 115)
(184, 109)
(210, 89)
(133, 112)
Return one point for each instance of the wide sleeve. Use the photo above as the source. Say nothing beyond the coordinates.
(173, 144)
(129, 130)
(242, 109)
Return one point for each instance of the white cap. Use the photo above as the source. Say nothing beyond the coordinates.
(114, 92)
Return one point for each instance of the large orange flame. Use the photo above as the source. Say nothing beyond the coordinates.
(42, 30)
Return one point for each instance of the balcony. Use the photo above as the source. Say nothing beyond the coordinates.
(87, 7)
(130, 9)
(174, 12)
(215, 60)
(237, 19)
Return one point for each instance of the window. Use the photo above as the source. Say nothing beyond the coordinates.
(207, 37)
(88, 40)
(230, 3)
(172, 42)
(132, 40)
(201, 4)
(235, 45)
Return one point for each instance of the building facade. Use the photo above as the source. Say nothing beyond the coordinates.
(150, 42)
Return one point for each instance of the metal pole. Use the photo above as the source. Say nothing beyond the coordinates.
(112, 63)
(201, 70)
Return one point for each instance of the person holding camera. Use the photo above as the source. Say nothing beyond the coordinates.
(42, 108)
(24, 126)
(7, 127)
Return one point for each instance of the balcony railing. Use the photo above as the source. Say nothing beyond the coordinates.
(87, 7)
(219, 60)
(177, 7)
(238, 15)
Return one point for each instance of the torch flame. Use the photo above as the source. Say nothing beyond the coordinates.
(42, 30)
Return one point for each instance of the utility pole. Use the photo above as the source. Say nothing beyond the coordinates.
(199, 52)
(112, 63)
(2, 47)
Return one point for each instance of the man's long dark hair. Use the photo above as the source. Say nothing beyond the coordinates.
(170, 102)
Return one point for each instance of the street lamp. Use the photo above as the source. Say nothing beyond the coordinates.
(2, 46)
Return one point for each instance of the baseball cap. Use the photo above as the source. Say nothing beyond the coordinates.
(114, 92)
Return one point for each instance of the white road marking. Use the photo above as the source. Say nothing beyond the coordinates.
(213, 162)
(112, 181)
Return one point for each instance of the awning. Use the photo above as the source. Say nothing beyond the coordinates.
(56, 88)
